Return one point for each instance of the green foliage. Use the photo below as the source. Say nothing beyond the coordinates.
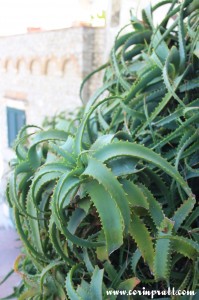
(109, 200)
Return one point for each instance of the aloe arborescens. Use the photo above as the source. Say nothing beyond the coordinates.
(110, 202)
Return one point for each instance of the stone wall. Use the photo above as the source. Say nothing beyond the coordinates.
(41, 73)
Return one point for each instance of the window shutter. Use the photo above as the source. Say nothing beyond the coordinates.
(16, 119)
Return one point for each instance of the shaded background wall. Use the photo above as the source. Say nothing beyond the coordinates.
(41, 74)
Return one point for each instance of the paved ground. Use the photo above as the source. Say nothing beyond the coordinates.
(9, 249)
(9, 246)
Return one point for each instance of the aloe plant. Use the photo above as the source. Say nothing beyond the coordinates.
(109, 201)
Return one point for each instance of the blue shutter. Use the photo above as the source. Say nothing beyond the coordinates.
(16, 119)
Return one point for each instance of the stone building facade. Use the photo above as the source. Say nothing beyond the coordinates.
(41, 73)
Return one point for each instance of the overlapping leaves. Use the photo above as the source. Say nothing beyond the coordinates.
(110, 201)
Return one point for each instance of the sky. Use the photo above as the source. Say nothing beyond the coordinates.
(17, 15)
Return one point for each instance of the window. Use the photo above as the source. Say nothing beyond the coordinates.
(16, 118)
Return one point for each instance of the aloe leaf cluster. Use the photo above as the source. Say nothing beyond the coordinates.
(110, 201)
